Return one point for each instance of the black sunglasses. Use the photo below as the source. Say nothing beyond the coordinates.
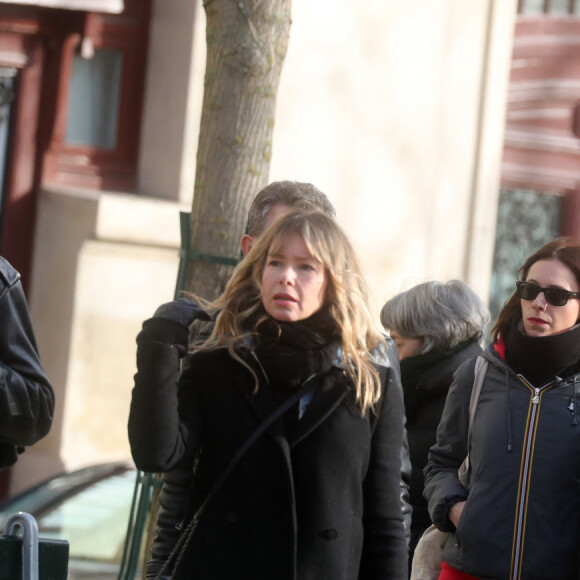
(554, 296)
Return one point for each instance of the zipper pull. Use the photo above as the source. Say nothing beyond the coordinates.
(536, 398)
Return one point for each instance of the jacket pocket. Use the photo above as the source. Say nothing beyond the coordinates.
(458, 535)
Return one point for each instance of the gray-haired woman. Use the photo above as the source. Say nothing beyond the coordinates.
(436, 326)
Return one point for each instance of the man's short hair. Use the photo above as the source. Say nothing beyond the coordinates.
(294, 194)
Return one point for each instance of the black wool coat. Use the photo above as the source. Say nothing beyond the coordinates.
(423, 417)
(319, 501)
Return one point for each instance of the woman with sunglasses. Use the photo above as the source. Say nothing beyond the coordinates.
(520, 516)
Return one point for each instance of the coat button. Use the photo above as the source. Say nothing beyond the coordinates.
(231, 518)
(330, 534)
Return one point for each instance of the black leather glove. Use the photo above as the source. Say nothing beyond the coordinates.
(182, 311)
(170, 324)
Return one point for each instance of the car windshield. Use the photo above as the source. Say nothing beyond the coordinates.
(94, 520)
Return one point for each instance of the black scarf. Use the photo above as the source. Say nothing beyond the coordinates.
(413, 368)
(541, 358)
(290, 352)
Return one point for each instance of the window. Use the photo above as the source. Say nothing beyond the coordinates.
(93, 106)
(553, 7)
(7, 92)
(532, 7)
(526, 220)
(101, 71)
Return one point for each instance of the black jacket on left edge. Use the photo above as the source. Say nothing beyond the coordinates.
(26, 397)
(320, 502)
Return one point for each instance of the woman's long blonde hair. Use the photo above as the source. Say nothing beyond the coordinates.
(346, 297)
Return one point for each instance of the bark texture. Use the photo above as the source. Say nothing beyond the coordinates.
(246, 46)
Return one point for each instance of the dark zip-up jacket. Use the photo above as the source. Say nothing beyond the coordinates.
(322, 501)
(522, 514)
(26, 396)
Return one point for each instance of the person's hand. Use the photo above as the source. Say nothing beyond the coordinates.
(170, 324)
(182, 311)
(455, 512)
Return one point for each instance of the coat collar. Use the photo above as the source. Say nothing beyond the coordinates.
(332, 389)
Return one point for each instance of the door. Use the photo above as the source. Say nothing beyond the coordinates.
(21, 59)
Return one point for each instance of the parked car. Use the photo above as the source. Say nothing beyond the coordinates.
(90, 508)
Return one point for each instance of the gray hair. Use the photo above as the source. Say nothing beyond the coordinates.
(441, 314)
(294, 194)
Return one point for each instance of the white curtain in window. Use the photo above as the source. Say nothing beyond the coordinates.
(112, 6)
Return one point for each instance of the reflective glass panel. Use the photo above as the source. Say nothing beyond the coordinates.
(7, 97)
(559, 6)
(526, 220)
(533, 7)
(93, 107)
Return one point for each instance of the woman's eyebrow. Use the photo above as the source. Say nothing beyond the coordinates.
(534, 281)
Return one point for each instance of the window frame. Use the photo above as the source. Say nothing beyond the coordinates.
(85, 165)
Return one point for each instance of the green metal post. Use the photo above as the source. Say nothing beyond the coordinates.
(137, 519)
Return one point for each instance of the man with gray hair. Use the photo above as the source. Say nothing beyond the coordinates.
(284, 194)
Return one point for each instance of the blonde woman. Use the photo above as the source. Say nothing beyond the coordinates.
(318, 494)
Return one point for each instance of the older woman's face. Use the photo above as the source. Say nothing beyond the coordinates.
(406, 347)
(293, 282)
(541, 318)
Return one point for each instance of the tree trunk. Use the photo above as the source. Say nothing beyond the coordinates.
(246, 45)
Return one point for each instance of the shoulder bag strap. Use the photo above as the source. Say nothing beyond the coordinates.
(307, 389)
(478, 377)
